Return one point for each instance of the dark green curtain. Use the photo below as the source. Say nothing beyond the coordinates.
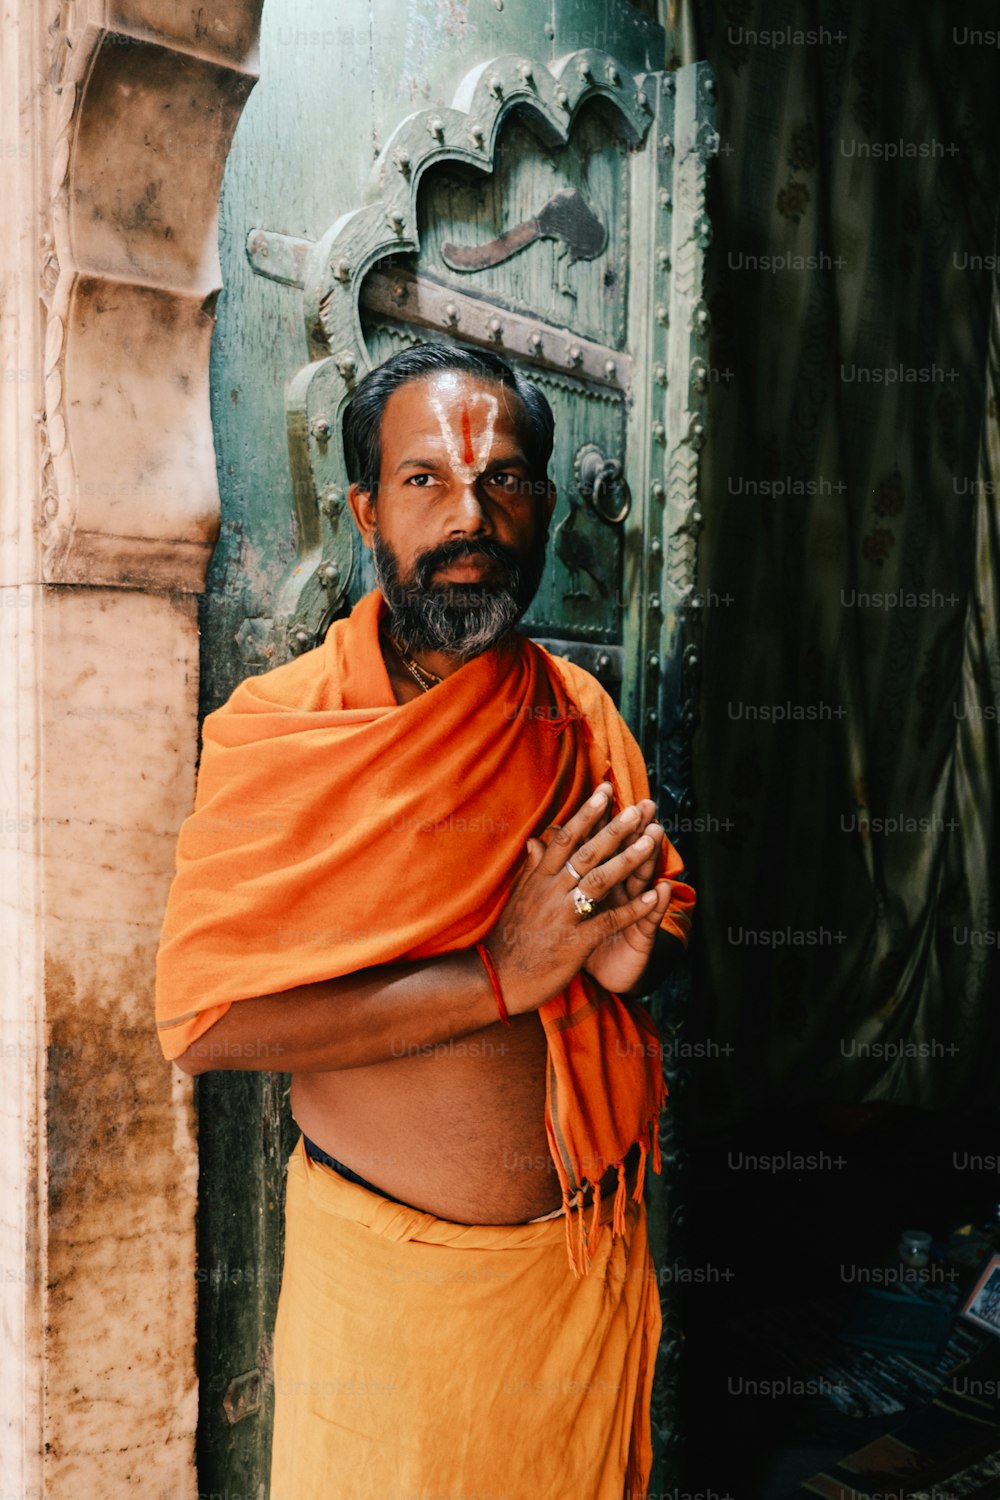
(847, 754)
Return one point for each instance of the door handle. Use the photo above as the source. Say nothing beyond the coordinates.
(602, 484)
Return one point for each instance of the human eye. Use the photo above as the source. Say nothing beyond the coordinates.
(420, 481)
(510, 483)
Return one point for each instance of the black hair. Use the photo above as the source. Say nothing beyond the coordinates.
(363, 416)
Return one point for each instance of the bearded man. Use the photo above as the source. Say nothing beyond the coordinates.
(423, 875)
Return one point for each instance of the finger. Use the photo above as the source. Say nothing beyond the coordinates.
(535, 849)
(647, 925)
(609, 806)
(618, 894)
(632, 885)
(603, 878)
(651, 830)
(645, 929)
(641, 932)
(646, 809)
(647, 813)
(566, 839)
(619, 834)
(644, 874)
(639, 881)
(617, 918)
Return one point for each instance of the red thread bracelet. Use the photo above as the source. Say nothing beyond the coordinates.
(490, 967)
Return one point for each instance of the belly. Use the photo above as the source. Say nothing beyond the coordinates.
(457, 1128)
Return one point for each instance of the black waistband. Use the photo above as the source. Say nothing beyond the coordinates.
(318, 1154)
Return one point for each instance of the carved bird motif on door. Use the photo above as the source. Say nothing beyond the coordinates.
(576, 551)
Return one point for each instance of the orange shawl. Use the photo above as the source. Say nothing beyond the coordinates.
(316, 790)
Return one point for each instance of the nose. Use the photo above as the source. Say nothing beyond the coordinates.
(470, 515)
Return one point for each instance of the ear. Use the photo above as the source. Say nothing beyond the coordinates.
(363, 510)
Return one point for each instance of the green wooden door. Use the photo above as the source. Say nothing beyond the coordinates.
(504, 174)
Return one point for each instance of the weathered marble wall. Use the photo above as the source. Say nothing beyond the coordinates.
(114, 124)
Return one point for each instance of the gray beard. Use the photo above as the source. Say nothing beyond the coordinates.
(460, 620)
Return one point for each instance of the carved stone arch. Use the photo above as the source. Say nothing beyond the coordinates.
(123, 112)
(331, 272)
(147, 99)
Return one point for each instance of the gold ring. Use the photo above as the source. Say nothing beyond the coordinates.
(582, 902)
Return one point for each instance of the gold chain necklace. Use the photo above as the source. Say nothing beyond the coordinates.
(425, 678)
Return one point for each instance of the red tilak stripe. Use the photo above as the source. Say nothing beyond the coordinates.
(467, 435)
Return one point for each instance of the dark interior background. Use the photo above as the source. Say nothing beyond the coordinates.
(845, 958)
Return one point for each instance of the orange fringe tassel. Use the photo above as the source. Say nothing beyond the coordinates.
(618, 1217)
(595, 1227)
(568, 1205)
(640, 1176)
(581, 1240)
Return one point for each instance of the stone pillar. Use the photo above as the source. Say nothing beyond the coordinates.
(115, 120)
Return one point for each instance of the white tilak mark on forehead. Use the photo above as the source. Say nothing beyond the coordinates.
(450, 423)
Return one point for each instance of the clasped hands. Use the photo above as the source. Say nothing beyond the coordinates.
(541, 941)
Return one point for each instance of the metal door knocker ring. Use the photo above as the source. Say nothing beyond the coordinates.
(602, 484)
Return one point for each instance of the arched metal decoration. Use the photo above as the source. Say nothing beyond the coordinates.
(332, 271)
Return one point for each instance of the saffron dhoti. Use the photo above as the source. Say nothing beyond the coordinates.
(416, 1357)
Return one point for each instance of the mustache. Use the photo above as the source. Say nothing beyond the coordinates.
(461, 619)
(428, 563)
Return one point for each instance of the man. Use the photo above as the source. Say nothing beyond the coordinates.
(423, 872)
